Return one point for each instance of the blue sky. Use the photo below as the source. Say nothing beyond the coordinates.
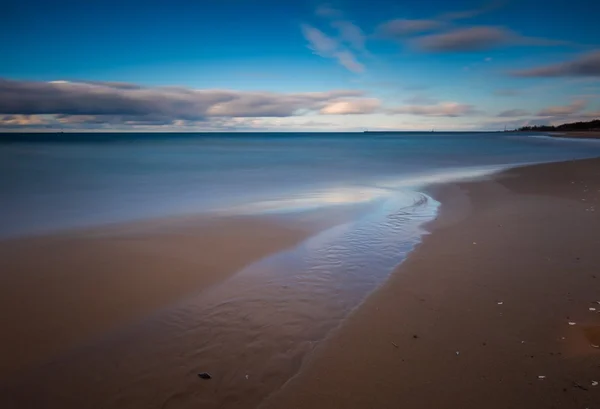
(297, 65)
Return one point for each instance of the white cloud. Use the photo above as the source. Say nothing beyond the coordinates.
(355, 106)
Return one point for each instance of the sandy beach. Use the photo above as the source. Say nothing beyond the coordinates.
(498, 308)
(59, 291)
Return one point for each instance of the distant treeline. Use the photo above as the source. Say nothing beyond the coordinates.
(575, 126)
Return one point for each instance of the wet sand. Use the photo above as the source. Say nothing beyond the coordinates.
(495, 309)
(60, 291)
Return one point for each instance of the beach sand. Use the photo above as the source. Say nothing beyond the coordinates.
(473, 318)
(492, 310)
(59, 291)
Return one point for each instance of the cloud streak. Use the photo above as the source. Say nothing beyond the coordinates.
(70, 103)
(442, 109)
(586, 65)
(327, 47)
(465, 39)
(512, 113)
(573, 108)
(479, 38)
(402, 27)
(351, 34)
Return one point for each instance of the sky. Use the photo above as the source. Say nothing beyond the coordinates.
(295, 65)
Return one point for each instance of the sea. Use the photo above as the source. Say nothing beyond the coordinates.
(56, 181)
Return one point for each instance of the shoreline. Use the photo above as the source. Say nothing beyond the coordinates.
(480, 310)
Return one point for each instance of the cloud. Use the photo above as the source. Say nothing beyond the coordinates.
(586, 65)
(347, 59)
(465, 39)
(591, 115)
(479, 38)
(351, 34)
(22, 120)
(328, 47)
(511, 113)
(573, 108)
(25, 103)
(402, 27)
(356, 106)
(319, 42)
(111, 84)
(399, 28)
(442, 109)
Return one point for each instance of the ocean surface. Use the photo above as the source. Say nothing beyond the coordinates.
(51, 182)
(253, 331)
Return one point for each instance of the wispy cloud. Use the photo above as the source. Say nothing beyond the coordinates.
(442, 109)
(349, 40)
(512, 113)
(479, 38)
(591, 115)
(443, 35)
(319, 42)
(573, 108)
(351, 34)
(586, 65)
(328, 47)
(348, 60)
(402, 27)
(464, 39)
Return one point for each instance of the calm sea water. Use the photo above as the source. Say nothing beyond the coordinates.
(56, 181)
